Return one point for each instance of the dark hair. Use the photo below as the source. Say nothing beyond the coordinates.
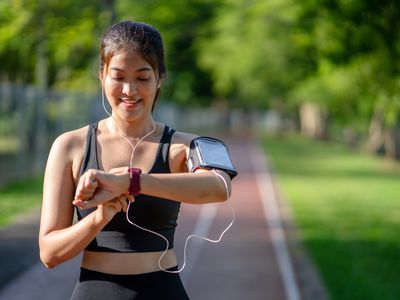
(141, 37)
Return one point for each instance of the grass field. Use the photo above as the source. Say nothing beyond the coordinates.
(347, 207)
(19, 197)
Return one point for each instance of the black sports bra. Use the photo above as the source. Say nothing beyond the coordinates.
(157, 214)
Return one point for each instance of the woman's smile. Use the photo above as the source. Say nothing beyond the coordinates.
(130, 102)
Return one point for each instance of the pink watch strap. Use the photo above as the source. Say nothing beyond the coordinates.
(134, 187)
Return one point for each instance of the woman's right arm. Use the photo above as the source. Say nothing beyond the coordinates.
(59, 240)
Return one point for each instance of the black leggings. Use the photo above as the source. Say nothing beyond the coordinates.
(153, 286)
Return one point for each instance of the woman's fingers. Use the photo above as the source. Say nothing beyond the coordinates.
(87, 186)
(113, 206)
(124, 203)
(117, 204)
(119, 170)
(100, 196)
(120, 203)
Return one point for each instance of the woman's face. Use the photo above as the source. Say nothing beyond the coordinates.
(130, 85)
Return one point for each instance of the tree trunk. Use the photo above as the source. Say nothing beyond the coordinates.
(392, 143)
(376, 135)
(312, 120)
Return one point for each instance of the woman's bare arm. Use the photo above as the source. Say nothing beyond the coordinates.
(196, 188)
(59, 240)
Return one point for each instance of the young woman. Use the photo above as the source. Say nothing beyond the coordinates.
(91, 169)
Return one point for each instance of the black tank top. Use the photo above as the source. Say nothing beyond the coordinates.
(157, 214)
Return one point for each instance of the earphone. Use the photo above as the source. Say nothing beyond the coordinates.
(156, 233)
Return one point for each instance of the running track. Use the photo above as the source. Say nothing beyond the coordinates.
(251, 261)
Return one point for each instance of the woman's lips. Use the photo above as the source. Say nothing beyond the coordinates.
(130, 102)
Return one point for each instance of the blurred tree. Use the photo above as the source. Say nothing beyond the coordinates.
(356, 46)
(60, 36)
(341, 56)
(248, 52)
(50, 45)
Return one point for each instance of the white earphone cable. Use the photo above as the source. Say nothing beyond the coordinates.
(199, 236)
(156, 233)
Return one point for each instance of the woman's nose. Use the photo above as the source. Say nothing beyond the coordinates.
(129, 88)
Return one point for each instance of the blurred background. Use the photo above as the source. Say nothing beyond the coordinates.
(315, 82)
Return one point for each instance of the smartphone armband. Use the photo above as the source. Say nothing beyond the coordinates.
(210, 153)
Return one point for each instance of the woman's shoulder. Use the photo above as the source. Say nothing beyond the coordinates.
(183, 138)
(71, 142)
(72, 137)
(179, 149)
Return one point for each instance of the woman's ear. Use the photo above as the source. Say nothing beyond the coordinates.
(160, 81)
(101, 79)
(102, 76)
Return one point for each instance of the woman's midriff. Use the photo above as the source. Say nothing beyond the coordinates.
(127, 263)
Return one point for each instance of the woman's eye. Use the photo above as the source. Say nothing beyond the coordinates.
(143, 78)
(116, 78)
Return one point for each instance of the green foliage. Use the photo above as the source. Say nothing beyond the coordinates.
(346, 207)
(247, 50)
(63, 33)
(343, 55)
(19, 197)
(356, 51)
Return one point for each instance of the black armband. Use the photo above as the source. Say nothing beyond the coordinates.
(210, 153)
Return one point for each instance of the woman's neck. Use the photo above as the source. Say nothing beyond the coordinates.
(134, 130)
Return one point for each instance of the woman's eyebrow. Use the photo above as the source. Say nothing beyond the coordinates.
(138, 70)
(144, 69)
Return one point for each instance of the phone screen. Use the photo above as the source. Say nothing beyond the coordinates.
(214, 153)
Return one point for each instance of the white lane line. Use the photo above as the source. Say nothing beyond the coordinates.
(202, 228)
(272, 215)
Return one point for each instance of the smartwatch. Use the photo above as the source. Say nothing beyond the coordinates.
(134, 187)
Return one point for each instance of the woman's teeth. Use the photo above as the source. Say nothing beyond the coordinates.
(130, 101)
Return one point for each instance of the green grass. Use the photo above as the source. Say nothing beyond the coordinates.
(347, 207)
(19, 197)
